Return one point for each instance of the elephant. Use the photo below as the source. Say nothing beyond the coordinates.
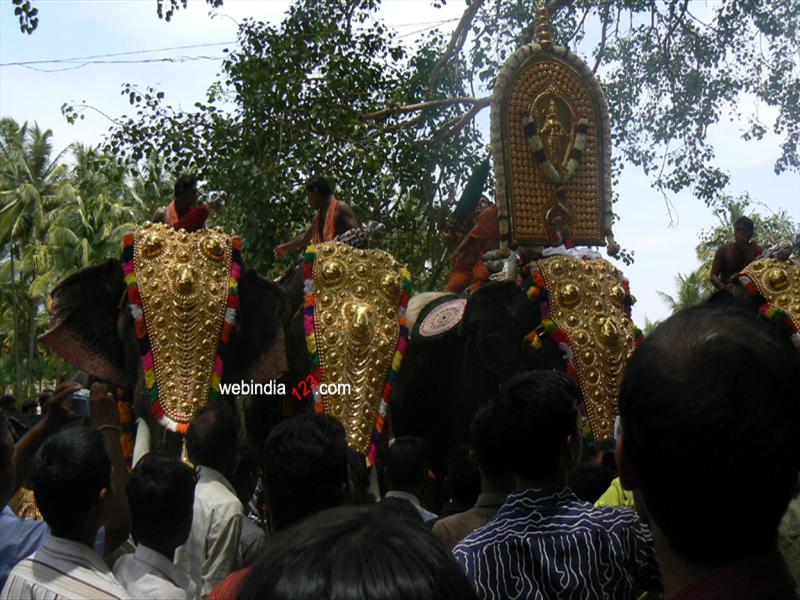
(446, 378)
(93, 328)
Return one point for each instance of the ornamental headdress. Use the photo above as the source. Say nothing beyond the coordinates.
(551, 148)
(183, 292)
(552, 162)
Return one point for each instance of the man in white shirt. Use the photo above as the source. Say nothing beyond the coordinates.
(212, 551)
(71, 478)
(406, 467)
(161, 497)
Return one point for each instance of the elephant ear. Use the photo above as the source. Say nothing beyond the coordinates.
(83, 321)
(258, 349)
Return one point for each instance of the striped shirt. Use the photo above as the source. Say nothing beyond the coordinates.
(62, 569)
(546, 544)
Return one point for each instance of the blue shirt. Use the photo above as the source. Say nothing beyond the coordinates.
(18, 538)
(547, 544)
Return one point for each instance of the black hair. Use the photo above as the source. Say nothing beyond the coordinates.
(305, 468)
(6, 450)
(359, 477)
(463, 478)
(589, 481)
(212, 436)
(709, 403)
(490, 447)
(69, 472)
(537, 412)
(747, 223)
(406, 462)
(357, 552)
(247, 460)
(184, 184)
(8, 400)
(319, 184)
(400, 507)
(160, 496)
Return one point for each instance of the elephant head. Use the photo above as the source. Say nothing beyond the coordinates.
(95, 325)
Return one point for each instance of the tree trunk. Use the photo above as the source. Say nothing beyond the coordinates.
(31, 349)
(15, 319)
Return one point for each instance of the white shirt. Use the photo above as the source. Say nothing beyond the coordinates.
(62, 569)
(212, 551)
(425, 514)
(253, 541)
(149, 574)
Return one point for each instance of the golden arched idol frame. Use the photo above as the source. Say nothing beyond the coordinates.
(551, 148)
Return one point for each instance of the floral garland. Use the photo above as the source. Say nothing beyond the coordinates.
(771, 313)
(145, 345)
(575, 154)
(311, 345)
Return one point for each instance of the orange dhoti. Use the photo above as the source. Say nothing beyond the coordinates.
(482, 238)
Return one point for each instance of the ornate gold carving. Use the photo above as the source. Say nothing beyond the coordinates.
(184, 290)
(556, 125)
(356, 329)
(779, 282)
(602, 335)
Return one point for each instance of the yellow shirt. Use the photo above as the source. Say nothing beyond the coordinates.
(616, 496)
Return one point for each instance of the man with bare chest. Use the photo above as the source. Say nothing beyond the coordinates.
(732, 258)
(334, 220)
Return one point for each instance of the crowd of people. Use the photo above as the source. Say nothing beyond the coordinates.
(687, 504)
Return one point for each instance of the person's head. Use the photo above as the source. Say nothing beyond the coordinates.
(211, 438)
(483, 204)
(743, 230)
(406, 464)
(589, 481)
(538, 416)
(491, 455)
(71, 479)
(185, 192)
(8, 472)
(305, 468)
(709, 403)
(463, 478)
(29, 408)
(357, 552)
(245, 476)
(161, 499)
(8, 403)
(319, 192)
(44, 397)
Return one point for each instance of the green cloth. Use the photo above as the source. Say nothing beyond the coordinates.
(616, 496)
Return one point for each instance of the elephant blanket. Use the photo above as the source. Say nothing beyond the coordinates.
(183, 292)
(356, 335)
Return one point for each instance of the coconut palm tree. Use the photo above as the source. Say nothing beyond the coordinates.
(689, 292)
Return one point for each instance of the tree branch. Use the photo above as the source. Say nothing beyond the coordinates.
(456, 41)
(602, 49)
(379, 115)
(457, 123)
(578, 28)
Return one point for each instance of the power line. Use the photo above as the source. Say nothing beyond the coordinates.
(172, 59)
(84, 58)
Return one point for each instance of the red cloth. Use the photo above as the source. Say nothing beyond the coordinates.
(194, 219)
(329, 227)
(765, 576)
(228, 588)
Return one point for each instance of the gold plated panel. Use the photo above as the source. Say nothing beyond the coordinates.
(183, 281)
(356, 296)
(779, 282)
(548, 79)
(585, 302)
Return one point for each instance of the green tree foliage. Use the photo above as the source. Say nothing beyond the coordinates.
(331, 90)
(56, 218)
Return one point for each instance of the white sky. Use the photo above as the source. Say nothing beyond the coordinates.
(71, 28)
